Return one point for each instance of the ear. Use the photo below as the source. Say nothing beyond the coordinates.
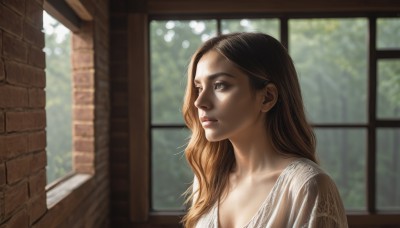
(270, 93)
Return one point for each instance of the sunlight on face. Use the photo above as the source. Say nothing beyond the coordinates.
(226, 103)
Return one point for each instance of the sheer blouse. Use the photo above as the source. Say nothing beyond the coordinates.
(303, 196)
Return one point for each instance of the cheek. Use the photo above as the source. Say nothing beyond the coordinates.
(236, 105)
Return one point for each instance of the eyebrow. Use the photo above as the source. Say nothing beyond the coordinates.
(216, 75)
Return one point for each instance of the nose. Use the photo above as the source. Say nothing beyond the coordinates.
(203, 101)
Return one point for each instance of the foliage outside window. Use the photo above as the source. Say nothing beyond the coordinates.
(331, 56)
(58, 98)
(171, 45)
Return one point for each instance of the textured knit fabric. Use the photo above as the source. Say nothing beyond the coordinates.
(303, 196)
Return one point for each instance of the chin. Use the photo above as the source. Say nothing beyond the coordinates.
(212, 137)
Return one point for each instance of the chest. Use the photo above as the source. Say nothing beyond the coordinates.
(242, 203)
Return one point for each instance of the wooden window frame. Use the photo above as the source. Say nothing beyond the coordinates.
(139, 89)
(71, 187)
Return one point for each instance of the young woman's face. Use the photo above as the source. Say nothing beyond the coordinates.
(227, 106)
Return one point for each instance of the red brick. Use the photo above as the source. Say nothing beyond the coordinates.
(2, 124)
(19, 220)
(34, 12)
(33, 35)
(38, 161)
(84, 145)
(37, 208)
(22, 121)
(119, 40)
(119, 99)
(1, 39)
(101, 34)
(13, 145)
(1, 203)
(83, 158)
(18, 168)
(83, 79)
(84, 114)
(118, 55)
(17, 5)
(2, 73)
(37, 98)
(83, 39)
(37, 141)
(10, 21)
(14, 49)
(37, 58)
(119, 125)
(84, 168)
(119, 71)
(3, 179)
(84, 97)
(37, 183)
(13, 97)
(83, 59)
(25, 75)
(15, 197)
(83, 130)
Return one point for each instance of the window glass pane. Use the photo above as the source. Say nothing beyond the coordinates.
(172, 43)
(58, 98)
(330, 56)
(268, 26)
(171, 175)
(388, 169)
(388, 94)
(388, 33)
(344, 160)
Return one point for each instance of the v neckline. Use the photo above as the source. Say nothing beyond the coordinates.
(267, 199)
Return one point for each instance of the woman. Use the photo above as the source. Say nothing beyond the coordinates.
(252, 150)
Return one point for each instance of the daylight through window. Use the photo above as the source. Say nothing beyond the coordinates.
(58, 98)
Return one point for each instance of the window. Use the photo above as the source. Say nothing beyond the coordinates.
(387, 114)
(350, 77)
(171, 43)
(333, 77)
(58, 98)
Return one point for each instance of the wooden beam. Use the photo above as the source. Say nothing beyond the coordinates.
(271, 6)
(63, 13)
(138, 86)
(80, 9)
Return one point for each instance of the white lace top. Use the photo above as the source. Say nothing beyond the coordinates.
(303, 196)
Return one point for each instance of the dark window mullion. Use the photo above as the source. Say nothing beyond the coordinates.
(339, 125)
(284, 31)
(371, 152)
(219, 26)
(388, 54)
(387, 123)
(173, 126)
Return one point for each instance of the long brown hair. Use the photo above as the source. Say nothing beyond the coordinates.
(263, 59)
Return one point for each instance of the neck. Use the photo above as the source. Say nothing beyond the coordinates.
(254, 152)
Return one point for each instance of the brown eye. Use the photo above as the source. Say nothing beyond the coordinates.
(198, 89)
(220, 86)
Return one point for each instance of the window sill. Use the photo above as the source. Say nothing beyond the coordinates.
(61, 189)
(354, 219)
(65, 196)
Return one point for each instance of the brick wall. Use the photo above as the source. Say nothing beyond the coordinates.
(23, 119)
(119, 151)
(22, 114)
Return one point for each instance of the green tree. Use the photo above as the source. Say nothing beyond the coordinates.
(171, 45)
(58, 102)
